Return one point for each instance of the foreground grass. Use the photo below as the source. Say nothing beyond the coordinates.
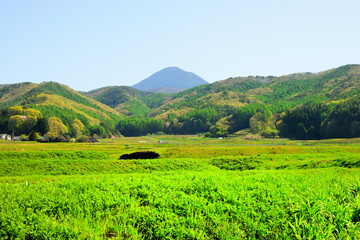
(287, 161)
(198, 189)
(93, 162)
(282, 204)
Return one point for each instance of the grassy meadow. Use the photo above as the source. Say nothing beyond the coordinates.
(199, 189)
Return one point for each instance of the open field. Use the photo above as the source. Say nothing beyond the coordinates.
(198, 189)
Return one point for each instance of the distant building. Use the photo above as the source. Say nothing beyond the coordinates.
(5, 136)
(93, 140)
(16, 138)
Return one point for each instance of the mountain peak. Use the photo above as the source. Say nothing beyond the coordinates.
(170, 77)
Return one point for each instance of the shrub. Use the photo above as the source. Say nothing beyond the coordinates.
(23, 137)
(34, 136)
(140, 155)
(83, 138)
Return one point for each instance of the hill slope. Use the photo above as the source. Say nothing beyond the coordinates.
(258, 102)
(127, 100)
(301, 105)
(278, 93)
(171, 77)
(54, 99)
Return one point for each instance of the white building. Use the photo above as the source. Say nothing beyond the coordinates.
(5, 136)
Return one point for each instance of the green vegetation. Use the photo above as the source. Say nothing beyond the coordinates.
(298, 106)
(343, 121)
(316, 121)
(68, 116)
(60, 90)
(20, 120)
(81, 163)
(113, 97)
(309, 204)
(287, 161)
(75, 113)
(128, 100)
(137, 109)
(28, 121)
(138, 126)
(198, 189)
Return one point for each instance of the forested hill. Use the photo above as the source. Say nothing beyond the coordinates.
(262, 104)
(128, 101)
(301, 105)
(277, 93)
(56, 100)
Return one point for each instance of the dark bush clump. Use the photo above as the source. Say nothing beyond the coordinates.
(140, 155)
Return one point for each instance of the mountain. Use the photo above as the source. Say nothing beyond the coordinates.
(168, 90)
(270, 105)
(277, 93)
(170, 80)
(300, 105)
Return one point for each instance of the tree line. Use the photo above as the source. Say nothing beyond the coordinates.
(322, 120)
(311, 120)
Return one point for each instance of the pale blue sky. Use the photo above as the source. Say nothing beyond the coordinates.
(91, 44)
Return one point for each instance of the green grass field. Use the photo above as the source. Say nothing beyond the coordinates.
(198, 189)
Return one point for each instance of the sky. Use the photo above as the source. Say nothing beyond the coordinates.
(88, 44)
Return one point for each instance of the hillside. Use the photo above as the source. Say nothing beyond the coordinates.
(261, 103)
(54, 99)
(128, 101)
(230, 104)
(278, 93)
(300, 105)
(170, 80)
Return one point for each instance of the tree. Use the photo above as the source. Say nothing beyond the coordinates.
(32, 112)
(50, 137)
(244, 116)
(29, 123)
(139, 126)
(217, 131)
(78, 127)
(42, 126)
(343, 121)
(23, 137)
(34, 136)
(256, 123)
(16, 123)
(57, 126)
(98, 130)
(300, 131)
(17, 110)
(304, 122)
(270, 133)
(83, 138)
